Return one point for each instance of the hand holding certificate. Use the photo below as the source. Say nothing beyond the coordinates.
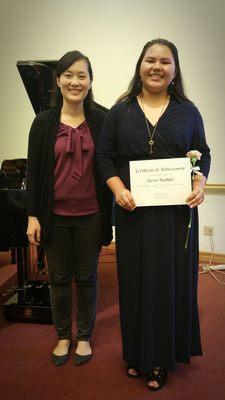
(160, 182)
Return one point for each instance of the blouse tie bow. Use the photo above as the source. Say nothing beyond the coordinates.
(75, 144)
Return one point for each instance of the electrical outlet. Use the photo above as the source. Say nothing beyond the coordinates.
(208, 230)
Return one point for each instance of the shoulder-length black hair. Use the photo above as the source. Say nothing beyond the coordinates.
(175, 89)
(63, 64)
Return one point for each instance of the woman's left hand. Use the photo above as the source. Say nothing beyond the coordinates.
(197, 195)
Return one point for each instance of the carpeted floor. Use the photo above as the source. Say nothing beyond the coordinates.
(27, 373)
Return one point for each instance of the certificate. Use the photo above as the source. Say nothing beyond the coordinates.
(160, 182)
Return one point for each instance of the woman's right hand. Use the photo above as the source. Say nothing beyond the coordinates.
(125, 199)
(122, 195)
(34, 231)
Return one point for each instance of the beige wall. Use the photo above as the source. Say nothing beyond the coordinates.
(112, 35)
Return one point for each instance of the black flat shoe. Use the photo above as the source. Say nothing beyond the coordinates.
(79, 360)
(59, 360)
(159, 375)
(137, 370)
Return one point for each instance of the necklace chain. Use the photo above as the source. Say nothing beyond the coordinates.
(151, 142)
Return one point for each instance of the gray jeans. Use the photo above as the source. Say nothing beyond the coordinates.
(73, 253)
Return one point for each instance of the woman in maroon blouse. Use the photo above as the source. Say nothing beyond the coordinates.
(69, 210)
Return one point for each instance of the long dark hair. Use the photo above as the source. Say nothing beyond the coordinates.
(63, 64)
(175, 89)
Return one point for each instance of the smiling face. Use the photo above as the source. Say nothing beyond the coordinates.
(157, 69)
(75, 82)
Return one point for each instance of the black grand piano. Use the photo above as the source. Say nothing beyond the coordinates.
(31, 302)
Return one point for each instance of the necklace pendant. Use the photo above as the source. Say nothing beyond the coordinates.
(151, 143)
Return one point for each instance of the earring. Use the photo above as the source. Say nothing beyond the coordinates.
(171, 87)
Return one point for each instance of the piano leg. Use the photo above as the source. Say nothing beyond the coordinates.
(21, 266)
(13, 255)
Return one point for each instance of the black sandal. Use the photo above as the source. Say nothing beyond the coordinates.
(159, 375)
(136, 369)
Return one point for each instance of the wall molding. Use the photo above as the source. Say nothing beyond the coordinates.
(218, 258)
(215, 188)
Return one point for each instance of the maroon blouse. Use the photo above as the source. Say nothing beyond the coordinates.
(74, 184)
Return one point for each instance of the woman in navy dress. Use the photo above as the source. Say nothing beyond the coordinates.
(157, 276)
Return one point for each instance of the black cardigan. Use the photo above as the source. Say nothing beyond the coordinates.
(40, 173)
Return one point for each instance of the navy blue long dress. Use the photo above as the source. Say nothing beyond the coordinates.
(157, 276)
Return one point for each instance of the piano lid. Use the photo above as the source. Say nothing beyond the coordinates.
(39, 80)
